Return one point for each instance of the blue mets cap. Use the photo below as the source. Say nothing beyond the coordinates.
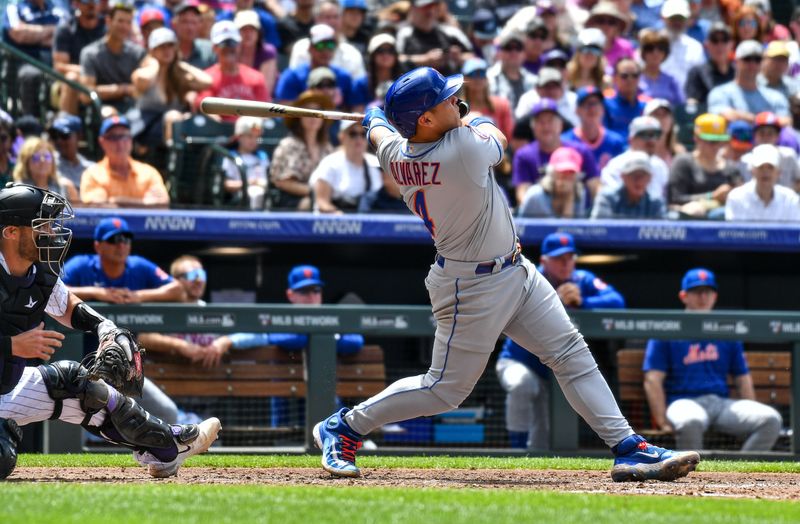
(112, 122)
(304, 276)
(556, 244)
(67, 124)
(585, 92)
(108, 227)
(698, 277)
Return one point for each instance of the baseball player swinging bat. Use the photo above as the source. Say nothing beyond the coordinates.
(233, 107)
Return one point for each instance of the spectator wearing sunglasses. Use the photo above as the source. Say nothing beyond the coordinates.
(632, 199)
(717, 70)
(115, 276)
(645, 132)
(655, 82)
(118, 180)
(36, 165)
(383, 65)
(587, 67)
(536, 34)
(626, 103)
(607, 17)
(321, 50)
(549, 84)
(775, 68)
(686, 52)
(743, 98)
(476, 94)
(603, 143)
(745, 25)
(260, 55)
(668, 145)
(507, 78)
(6, 160)
(64, 132)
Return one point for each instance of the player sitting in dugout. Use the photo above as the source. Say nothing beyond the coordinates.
(522, 375)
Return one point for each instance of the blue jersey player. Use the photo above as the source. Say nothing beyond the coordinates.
(522, 375)
(686, 382)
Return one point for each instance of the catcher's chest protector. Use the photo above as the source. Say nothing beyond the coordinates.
(22, 305)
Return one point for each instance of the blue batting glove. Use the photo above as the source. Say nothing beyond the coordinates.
(373, 113)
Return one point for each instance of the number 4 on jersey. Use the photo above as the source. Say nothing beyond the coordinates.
(421, 209)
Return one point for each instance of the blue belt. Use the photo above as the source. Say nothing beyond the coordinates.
(485, 267)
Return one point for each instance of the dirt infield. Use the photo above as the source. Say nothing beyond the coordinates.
(779, 486)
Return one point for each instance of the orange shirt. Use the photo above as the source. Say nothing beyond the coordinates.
(99, 186)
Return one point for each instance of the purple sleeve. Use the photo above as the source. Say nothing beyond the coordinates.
(590, 169)
(524, 168)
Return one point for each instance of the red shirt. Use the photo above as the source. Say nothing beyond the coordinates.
(247, 84)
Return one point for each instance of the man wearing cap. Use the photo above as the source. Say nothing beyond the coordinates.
(536, 34)
(86, 27)
(530, 162)
(717, 70)
(118, 179)
(631, 199)
(507, 78)
(187, 23)
(268, 25)
(741, 143)
(686, 382)
(150, 18)
(767, 130)
(229, 78)
(113, 275)
(762, 198)
(322, 48)
(484, 30)
(590, 131)
(107, 64)
(356, 27)
(296, 25)
(345, 56)
(743, 98)
(685, 51)
(522, 375)
(549, 84)
(643, 136)
(625, 103)
(427, 42)
(69, 162)
(775, 68)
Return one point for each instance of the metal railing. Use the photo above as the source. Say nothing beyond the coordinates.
(323, 322)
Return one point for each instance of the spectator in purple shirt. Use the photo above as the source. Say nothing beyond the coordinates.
(536, 34)
(531, 161)
(654, 82)
(607, 17)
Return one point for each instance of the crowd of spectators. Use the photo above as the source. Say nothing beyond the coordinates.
(609, 85)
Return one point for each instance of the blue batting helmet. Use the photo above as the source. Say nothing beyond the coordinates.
(416, 92)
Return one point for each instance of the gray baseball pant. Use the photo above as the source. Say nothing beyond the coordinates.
(527, 402)
(471, 313)
(759, 424)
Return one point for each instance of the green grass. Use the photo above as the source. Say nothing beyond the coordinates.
(85, 503)
(436, 462)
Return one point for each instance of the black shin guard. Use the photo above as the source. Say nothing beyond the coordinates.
(138, 428)
(67, 379)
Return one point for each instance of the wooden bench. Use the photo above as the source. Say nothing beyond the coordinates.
(262, 373)
(771, 372)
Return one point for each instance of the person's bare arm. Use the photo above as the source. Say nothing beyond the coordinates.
(98, 294)
(145, 75)
(744, 386)
(322, 197)
(521, 190)
(107, 91)
(160, 343)
(657, 399)
(32, 34)
(292, 186)
(171, 292)
(62, 64)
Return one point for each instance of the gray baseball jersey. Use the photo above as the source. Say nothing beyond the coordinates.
(450, 186)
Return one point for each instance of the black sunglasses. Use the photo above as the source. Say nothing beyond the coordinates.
(649, 48)
(752, 59)
(512, 47)
(310, 290)
(121, 238)
(325, 85)
(626, 76)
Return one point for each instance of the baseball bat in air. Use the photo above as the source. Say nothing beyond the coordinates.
(232, 107)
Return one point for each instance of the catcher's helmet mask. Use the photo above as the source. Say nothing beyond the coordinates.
(416, 92)
(45, 213)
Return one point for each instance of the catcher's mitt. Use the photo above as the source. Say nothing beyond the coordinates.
(118, 361)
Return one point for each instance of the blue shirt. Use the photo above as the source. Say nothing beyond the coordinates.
(695, 368)
(614, 203)
(25, 12)
(612, 144)
(665, 86)
(294, 81)
(732, 96)
(140, 273)
(345, 344)
(620, 112)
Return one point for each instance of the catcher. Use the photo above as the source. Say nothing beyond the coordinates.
(33, 244)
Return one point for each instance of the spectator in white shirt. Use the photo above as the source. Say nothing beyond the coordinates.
(767, 130)
(685, 51)
(763, 199)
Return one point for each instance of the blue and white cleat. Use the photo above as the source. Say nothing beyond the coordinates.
(339, 445)
(638, 461)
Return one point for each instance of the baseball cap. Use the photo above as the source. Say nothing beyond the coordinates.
(151, 14)
(749, 48)
(472, 65)
(161, 36)
(108, 227)
(554, 54)
(354, 4)
(321, 33)
(484, 24)
(643, 124)
(188, 4)
(698, 277)
(245, 123)
(777, 48)
(591, 37)
(585, 92)
(304, 276)
(765, 154)
(636, 161)
(535, 24)
(764, 5)
(247, 18)
(112, 122)
(546, 6)
(655, 104)
(548, 75)
(66, 124)
(319, 75)
(766, 118)
(712, 128)
(379, 40)
(424, 3)
(556, 244)
(741, 132)
(506, 37)
(672, 8)
(719, 27)
(566, 159)
(542, 106)
(223, 31)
